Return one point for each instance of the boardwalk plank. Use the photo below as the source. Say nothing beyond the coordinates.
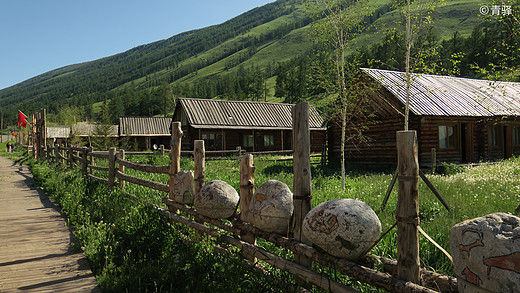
(35, 243)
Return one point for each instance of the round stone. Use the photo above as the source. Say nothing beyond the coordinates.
(271, 207)
(486, 253)
(217, 199)
(342, 227)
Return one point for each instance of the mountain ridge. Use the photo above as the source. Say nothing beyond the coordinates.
(262, 37)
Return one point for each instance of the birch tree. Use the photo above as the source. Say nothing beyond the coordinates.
(339, 23)
(417, 14)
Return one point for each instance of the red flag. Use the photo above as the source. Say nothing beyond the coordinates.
(22, 119)
(24, 134)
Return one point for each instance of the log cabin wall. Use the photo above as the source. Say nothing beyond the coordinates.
(248, 140)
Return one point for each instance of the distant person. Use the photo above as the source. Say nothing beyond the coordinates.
(8, 147)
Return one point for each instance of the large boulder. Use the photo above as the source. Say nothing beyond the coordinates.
(342, 227)
(271, 207)
(217, 200)
(486, 253)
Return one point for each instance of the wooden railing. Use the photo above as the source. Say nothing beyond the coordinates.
(305, 254)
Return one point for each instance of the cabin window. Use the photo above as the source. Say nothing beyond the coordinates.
(247, 141)
(209, 140)
(516, 135)
(446, 137)
(493, 136)
(268, 140)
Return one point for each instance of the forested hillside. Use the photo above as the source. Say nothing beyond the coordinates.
(266, 53)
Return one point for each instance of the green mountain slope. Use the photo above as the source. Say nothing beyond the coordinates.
(260, 38)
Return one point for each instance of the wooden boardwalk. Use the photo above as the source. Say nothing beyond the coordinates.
(35, 250)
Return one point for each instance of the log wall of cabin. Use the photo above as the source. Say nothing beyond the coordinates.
(232, 138)
(381, 147)
(466, 140)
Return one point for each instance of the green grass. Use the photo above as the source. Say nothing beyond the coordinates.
(475, 192)
(132, 248)
(114, 237)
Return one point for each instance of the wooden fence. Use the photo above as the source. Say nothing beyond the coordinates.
(237, 231)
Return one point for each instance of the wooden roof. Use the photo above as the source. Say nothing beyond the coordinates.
(90, 129)
(202, 113)
(145, 126)
(58, 131)
(436, 95)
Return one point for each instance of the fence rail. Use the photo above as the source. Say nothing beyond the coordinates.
(239, 225)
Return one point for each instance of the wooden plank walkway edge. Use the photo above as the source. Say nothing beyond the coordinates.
(35, 243)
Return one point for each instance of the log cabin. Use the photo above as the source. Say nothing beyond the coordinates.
(254, 126)
(458, 120)
(58, 134)
(143, 133)
(85, 131)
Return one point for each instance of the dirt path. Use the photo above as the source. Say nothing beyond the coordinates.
(35, 250)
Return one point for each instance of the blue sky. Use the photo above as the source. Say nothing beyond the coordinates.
(41, 35)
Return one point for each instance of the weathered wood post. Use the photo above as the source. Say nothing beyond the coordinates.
(37, 149)
(62, 154)
(43, 135)
(199, 158)
(302, 175)
(71, 157)
(199, 174)
(408, 207)
(111, 167)
(33, 135)
(84, 162)
(161, 149)
(175, 159)
(121, 168)
(90, 150)
(247, 189)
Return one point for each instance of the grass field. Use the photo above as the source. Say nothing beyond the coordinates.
(114, 229)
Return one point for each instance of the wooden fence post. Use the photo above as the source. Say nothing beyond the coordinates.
(302, 176)
(84, 162)
(37, 149)
(199, 158)
(161, 149)
(408, 207)
(90, 150)
(175, 158)
(121, 168)
(199, 172)
(33, 135)
(111, 167)
(247, 189)
(44, 132)
(71, 157)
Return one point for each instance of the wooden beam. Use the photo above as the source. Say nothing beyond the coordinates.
(175, 156)
(199, 158)
(302, 175)
(247, 189)
(408, 207)
(111, 167)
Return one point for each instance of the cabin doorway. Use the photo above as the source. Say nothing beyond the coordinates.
(466, 142)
